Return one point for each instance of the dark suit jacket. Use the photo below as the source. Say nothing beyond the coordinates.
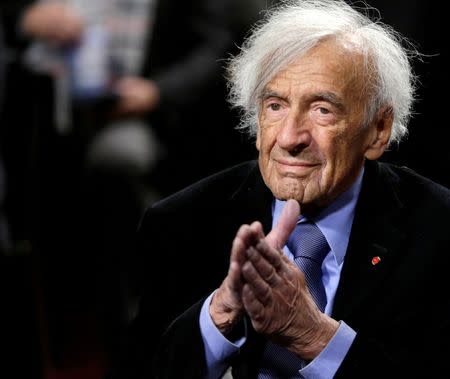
(399, 307)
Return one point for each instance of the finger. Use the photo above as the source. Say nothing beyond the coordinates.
(253, 307)
(260, 288)
(272, 256)
(278, 260)
(237, 259)
(257, 229)
(250, 234)
(263, 267)
(286, 223)
(246, 236)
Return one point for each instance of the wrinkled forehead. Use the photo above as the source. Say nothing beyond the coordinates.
(341, 59)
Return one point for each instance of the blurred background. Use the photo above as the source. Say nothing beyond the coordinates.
(107, 106)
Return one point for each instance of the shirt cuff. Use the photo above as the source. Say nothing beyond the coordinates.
(217, 348)
(326, 364)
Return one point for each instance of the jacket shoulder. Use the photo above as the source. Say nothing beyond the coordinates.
(417, 188)
(425, 204)
(217, 188)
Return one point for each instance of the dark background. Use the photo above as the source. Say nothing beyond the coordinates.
(426, 150)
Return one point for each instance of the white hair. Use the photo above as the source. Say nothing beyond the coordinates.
(296, 26)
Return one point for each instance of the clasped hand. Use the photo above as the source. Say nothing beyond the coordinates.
(263, 283)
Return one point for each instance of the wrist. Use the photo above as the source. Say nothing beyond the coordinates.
(315, 341)
(224, 317)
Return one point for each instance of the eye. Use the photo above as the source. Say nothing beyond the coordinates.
(274, 106)
(321, 111)
(323, 115)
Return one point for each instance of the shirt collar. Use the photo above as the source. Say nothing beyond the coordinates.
(335, 221)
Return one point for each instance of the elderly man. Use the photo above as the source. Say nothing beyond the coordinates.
(336, 269)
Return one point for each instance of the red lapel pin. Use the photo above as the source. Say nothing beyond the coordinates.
(376, 260)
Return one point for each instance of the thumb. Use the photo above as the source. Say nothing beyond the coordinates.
(288, 219)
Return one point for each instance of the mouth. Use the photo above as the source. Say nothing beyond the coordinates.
(295, 167)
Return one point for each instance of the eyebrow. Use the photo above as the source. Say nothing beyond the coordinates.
(327, 96)
(269, 93)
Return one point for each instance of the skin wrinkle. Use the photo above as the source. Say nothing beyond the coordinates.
(306, 82)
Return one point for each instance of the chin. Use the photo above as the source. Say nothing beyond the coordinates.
(289, 188)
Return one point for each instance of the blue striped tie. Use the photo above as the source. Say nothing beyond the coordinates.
(309, 247)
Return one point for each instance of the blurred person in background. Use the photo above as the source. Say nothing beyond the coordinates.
(19, 331)
(114, 96)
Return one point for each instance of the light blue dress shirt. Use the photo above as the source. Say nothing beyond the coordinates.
(335, 222)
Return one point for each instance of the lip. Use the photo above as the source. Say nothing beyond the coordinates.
(302, 164)
(295, 169)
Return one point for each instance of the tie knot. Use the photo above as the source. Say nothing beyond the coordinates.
(309, 242)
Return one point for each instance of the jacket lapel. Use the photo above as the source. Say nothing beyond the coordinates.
(252, 201)
(375, 241)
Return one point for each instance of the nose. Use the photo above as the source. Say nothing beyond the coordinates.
(293, 134)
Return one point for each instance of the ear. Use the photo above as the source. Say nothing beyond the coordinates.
(258, 139)
(380, 134)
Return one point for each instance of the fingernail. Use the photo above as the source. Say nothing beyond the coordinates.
(251, 252)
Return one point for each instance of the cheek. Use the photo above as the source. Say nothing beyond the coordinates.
(339, 157)
(332, 149)
(344, 158)
(265, 141)
(324, 145)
